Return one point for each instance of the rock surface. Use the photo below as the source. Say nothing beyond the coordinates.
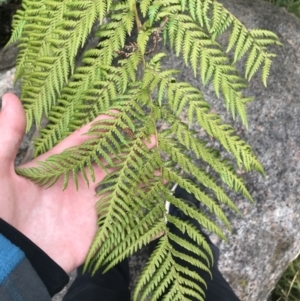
(8, 57)
(266, 237)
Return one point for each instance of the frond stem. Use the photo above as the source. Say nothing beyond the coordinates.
(138, 26)
(137, 19)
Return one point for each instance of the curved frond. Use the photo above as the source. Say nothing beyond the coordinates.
(107, 142)
(123, 181)
(177, 155)
(207, 58)
(95, 87)
(44, 79)
(211, 156)
(124, 78)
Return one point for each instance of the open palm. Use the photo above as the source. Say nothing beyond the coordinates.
(62, 223)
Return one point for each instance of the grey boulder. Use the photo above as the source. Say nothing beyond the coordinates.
(266, 237)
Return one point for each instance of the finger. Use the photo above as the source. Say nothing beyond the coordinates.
(118, 161)
(77, 138)
(151, 142)
(12, 126)
(74, 139)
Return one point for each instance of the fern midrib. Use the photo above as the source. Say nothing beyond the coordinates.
(133, 232)
(113, 196)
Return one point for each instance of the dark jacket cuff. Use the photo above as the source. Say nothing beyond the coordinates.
(52, 275)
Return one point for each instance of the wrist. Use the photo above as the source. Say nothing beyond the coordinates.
(54, 251)
(52, 275)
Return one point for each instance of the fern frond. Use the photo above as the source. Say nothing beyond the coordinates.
(144, 5)
(137, 243)
(177, 155)
(107, 142)
(167, 271)
(141, 222)
(220, 19)
(126, 181)
(170, 175)
(143, 36)
(244, 40)
(30, 10)
(253, 63)
(199, 11)
(195, 235)
(90, 91)
(124, 79)
(225, 134)
(64, 117)
(52, 68)
(34, 46)
(203, 53)
(113, 34)
(211, 156)
(266, 71)
(182, 95)
(102, 8)
(68, 103)
(157, 259)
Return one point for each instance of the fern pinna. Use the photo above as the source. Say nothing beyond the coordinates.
(127, 81)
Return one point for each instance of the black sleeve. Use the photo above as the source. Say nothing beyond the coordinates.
(52, 275)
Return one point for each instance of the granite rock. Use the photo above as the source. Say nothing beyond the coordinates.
(8, 57)
(266, 237)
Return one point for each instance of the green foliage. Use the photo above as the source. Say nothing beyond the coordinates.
(127, 81)
(288, 287)
(292, 6)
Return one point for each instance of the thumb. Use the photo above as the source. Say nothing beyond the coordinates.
(12, 128)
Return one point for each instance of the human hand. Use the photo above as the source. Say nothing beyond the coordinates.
(61, 223)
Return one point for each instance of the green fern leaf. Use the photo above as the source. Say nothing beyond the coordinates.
(145, 6)
(177, 155)
(170, 175)
(21, 18)
(266, 70)
(213, 62)
(127, 81)
(209, 155)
